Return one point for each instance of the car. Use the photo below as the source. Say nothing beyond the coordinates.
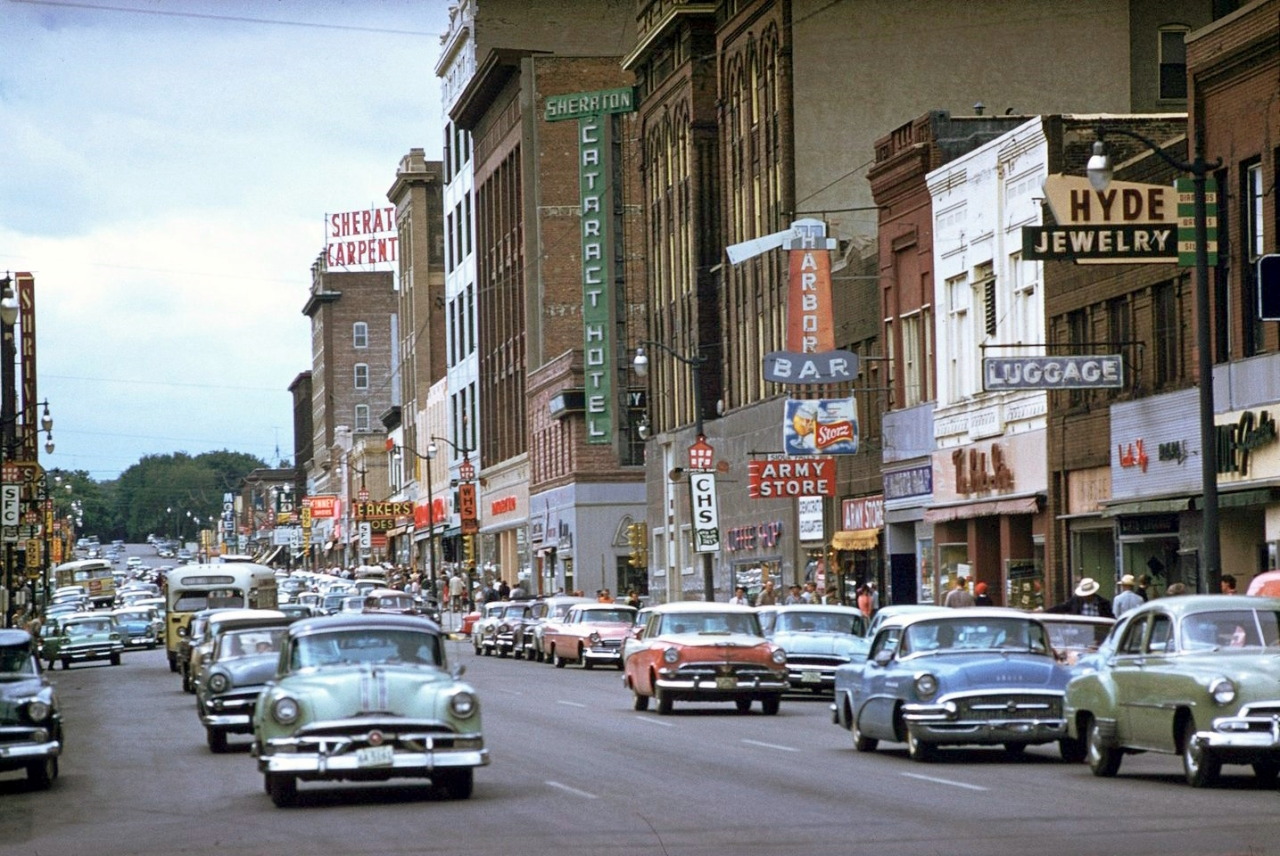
(299, 610)
(1075, 636)
(978, 676)
(83, 637)
(589, 633)
(390, 600)
(1194, 675)
(702, 651)
(548, 610)
(484, 631)
(367, 697)
(30, 719)
(140, 627)
(189, 637)
(817, 638)
(201, 650)
(243, 657)
(511, 636)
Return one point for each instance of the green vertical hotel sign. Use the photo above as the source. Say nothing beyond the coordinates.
(596, 191)
(1185, 189)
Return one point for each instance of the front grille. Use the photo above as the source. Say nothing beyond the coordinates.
(609, 644)
(742, 671)
(1262, 708)
(1007, 707)
(817, 661)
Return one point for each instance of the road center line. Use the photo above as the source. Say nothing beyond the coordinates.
(571, 703)
(652, 721)
(574, 791)
(945, 782)
(771, 746)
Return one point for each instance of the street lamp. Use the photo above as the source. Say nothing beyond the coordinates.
(695, 363)
(1099, 170)
(397, 452)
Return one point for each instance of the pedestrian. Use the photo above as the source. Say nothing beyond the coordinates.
(633, 598)
(1144, 583)
(863, 597)
(1175, 590)
(1085, 601)
(980, 596)
(456, 591)
(793, 597)
(1128, 598)
(740, 597)
(603, 596)
(810, 593)
(959, 597)
(767, 596)
(875, 597)
(504, 590)
(1228, 584)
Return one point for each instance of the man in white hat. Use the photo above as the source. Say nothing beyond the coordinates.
(1128, 598)
(1086, 601)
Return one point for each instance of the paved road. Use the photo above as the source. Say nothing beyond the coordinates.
(577, 771)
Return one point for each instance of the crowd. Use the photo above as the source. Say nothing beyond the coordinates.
(1085, 599)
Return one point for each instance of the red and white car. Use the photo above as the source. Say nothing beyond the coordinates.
(589, 633)
(700, 651)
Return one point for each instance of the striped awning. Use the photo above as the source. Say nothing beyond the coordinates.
(856, 539)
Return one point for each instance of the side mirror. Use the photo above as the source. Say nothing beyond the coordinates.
(883, 658)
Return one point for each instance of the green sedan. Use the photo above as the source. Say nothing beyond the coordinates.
(1197, 676)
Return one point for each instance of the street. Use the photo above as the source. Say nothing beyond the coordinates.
(576, 770)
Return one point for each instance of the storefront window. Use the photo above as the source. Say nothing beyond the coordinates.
(953, 562)
(924, 561)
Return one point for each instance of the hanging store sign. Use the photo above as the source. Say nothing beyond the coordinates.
(1121, 244)
(321, 505)
(788, 479)
(810, 526)
(706, 518)
(822, 426)
(1187, 221)
(1128, 222)
(1098, 372)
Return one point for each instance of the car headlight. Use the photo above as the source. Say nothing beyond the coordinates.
(1222, 690)
(218, 683)
(594, 638)
(926, 685)
(37, 711)
(670, 655)
(779, 656)
(504, 628)
(284, 710)
(463, 705)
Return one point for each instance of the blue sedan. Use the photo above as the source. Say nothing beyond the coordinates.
(982, 676)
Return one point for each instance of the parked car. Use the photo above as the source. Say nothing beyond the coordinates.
(484, 630)
(30, 719)
(817, 638)
(140, 627)
(698, 651)
(984, 676)
(242, 658)
(553, 609)
(299, 610)
(512, 634)
(589, 633)
(367, 697)
(1196, 676)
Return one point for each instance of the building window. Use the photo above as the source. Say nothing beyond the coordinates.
(1120, 332)
(360, 335)
(985, 288)
(361, 376)
(1253, 199)
(362, 419)
(1077, 339)
(959, 338)
(1173, 63)
(912, 360)
(1167, 333)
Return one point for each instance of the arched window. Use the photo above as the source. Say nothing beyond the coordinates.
(360, 334)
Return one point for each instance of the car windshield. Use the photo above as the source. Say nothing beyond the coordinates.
(247, 643)
(618, 616)
(1228, 629)
(820, 622)
(1087, 636)
(16, 660)
(366, 646)
(715, 623)
(136, 615)
(85, 628)
(962, 635)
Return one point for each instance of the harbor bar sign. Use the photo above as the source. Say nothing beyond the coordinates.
(1126, 223)
(1093, 372)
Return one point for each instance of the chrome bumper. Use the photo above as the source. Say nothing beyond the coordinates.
(1242, 735)
(348, 763)
(36, 744)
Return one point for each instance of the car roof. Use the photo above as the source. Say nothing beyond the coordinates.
(975, 612)
(222, 618)
(1186, 604)
(701, 606)
(1067, 618)
(358, 620)
(14, 636)
(813, 607)
(76, 617)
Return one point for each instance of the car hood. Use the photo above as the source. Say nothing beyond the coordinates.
(247, 671)
(15, 692)
(727, 641)
(961, 672)
(808, 642)
(341, 692)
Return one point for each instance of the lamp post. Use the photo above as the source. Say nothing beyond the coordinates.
(695, 363)
(1099, 170)
(397, 452)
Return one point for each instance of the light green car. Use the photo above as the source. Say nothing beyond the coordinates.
(366, 697)
(1193, 675)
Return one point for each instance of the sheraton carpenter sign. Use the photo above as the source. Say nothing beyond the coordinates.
(1093, 372)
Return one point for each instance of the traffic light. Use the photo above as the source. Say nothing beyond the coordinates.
(637, 540)
(469, 549)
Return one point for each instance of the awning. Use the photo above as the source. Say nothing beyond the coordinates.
(856, 539)
(1239, 498)
(1148, 506)
(993, 508)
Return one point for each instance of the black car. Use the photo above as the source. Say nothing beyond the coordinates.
(30, 721)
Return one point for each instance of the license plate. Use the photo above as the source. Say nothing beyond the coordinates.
(810, 678)
(729, 683)
(375, 756)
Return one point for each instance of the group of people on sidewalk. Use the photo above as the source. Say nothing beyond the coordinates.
(1085, 600)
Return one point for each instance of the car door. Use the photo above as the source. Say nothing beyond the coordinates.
(1156, 688)
(874, 695)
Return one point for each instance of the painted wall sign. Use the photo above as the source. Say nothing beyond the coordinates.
(823, 426)
(782, 478)
(1097, 372)
(371, 510)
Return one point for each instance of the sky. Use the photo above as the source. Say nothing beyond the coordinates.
(166, 167)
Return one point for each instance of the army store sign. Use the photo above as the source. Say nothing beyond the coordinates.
(1096, 372)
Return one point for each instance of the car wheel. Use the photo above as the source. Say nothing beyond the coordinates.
(217, 740)
(586, 664)
(42, 773)
(283, 789)
(1200, 765)
(115, 659)
(1013, 750)
(863, 743)
(771, 704)
(742, 704)
(458, 784)
(1103, 760)
(641, 702)
(557, 660)
(1266, 771)
(502, 652)
(917, 749)
(477, 647)
(665, 702)
(1071, 749)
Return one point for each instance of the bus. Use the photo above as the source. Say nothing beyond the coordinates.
(191, 588)
(94, 574)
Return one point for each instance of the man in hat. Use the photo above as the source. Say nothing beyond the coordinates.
(1128, 598)
(1085, 601)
